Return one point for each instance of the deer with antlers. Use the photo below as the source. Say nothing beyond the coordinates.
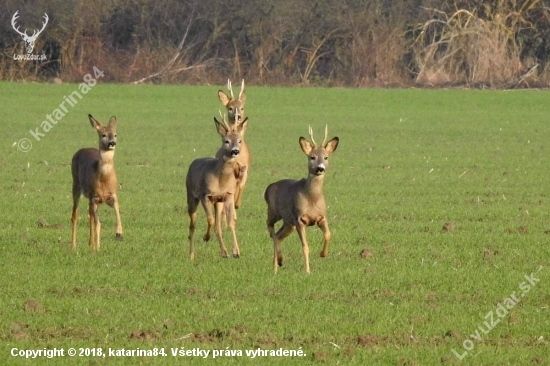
(94, 177)
(301, 203)
(29, 40)
(235, 112)
(213, 182)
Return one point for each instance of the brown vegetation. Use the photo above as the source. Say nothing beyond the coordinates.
(475, 43)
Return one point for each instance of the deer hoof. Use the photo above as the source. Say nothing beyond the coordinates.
(206, 238)
(236, 255)
(119, 237)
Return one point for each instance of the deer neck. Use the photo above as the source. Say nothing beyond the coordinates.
(226, 166)
(106, 162)
(314, 185)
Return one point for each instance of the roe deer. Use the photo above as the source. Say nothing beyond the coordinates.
(213, 181)
(300, 203)
(94, 177)
(235, 111)
(235, 107)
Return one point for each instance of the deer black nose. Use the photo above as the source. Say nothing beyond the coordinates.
(320, 169)
(235, 152)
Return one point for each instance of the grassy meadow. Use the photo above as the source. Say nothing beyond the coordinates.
(445, 192)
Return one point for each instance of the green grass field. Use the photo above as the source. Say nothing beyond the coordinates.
(448, 189)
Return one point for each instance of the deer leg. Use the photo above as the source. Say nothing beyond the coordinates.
(323, 225)
(278, 237)
(271, 228)
(219, 212)
(231, 216)
(209, 217)
(74, 217)
(95, 226)
(305, 248)
(192, 204)
(92, 227)
(113, 202)
(243, 175)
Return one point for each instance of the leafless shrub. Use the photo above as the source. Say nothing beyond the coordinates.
(504, 43)
(463, 48)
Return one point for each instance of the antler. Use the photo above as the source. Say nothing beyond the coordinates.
(13, 19)
(43, 25)
(230, 89)
(242, 89)
(224, 119)
(311, 136)
(24, 34)
(326, 135)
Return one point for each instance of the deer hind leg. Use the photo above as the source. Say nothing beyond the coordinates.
(323, 225)
(278, 237)
(305, 247)
(192, 204)
(219, 212)
(231, 217)
(74, 216)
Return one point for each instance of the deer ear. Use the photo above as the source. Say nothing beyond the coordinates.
(242, 97)
(112, 122)
(332, 145)
(94, 122)
(305, 145)
(224, 98)
(243, 125)
(222, 130)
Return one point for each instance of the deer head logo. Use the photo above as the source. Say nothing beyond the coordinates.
(29, 40)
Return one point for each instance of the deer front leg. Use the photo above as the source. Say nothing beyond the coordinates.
(219, 235)
(323, 225)
(95, 226)
(118, 232)
(209, 217)
(305, 247)
(243, 176)
(113, 202)
(230, 214)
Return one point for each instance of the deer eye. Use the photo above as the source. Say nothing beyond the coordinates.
(326, 157)
(312, 158)
(240, 141)
(115, 135)
(104, 135)
(227, 141)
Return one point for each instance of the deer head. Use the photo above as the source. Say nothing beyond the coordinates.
(318, 154)
(106, 134)
(232, 137)
(29, 40)
(235, 107)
